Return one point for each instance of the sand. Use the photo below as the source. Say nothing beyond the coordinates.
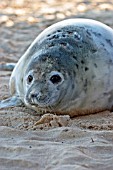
(27, 140)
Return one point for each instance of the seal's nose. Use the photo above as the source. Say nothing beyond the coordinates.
(33, 95)
(38, 96)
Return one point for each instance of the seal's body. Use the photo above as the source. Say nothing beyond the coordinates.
(67, 69)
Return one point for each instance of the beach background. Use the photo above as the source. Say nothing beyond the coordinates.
(27, 140)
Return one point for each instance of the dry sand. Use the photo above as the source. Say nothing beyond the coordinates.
(54, 143)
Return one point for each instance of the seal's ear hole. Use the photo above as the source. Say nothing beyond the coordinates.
(55, 79)
(29, 79)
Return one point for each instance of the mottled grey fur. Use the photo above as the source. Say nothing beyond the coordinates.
(81, 52)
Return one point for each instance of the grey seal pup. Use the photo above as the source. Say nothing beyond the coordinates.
(66, 70)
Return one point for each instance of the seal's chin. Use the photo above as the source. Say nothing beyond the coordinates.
(42, 107)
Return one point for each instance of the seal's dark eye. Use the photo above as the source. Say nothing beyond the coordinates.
(29, 79)
(55, 79)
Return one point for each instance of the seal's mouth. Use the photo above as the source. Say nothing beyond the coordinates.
(43, 107)
(42, 103)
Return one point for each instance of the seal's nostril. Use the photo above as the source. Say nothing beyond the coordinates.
(33, 95)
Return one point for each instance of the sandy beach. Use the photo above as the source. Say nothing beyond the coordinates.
(29, 141)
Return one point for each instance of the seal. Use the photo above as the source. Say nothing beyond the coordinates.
(66, 70)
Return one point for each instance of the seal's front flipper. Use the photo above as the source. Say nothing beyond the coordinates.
(7, 66)
(11, 102)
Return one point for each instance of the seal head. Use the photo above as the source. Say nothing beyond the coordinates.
(47, 79)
